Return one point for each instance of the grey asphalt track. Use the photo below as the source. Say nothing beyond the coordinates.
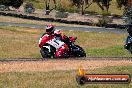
(93, 29)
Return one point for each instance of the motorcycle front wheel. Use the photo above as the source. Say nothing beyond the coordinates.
(130, 49)
(46, 54)
(78, 51)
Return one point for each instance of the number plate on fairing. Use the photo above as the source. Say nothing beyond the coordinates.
(55, 43)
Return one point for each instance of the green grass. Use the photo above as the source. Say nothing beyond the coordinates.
(115, 51)
(18, 42)
(59, 79)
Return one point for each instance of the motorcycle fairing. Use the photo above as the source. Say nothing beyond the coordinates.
(47, 47)
(55, 43)
(129, 40)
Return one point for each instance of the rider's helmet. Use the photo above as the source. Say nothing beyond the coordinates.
(57, 33)
(129, 30)
(50, 28)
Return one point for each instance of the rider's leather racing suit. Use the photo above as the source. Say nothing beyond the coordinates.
(59, 52)
(46, 37)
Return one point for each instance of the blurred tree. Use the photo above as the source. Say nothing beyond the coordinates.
(14, 3)
(17, 3)
(48, 10)
(103, 4)
(83, 4)
(121, 3)
(5, 2)
(128, 15)
(127, 4)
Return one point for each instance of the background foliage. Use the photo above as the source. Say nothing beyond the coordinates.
(14, 3)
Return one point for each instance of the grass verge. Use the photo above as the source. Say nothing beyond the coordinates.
(18, 42)
(59, 79)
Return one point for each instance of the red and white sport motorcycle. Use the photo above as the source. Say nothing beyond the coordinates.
(49, 49)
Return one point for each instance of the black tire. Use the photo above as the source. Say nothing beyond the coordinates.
(130, 49)
(45, 53)
(81, 52)
(81, 80)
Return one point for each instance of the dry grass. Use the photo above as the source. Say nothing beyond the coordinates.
(58, 65)
(59, 79)
(26, 21)
(16, 43)
(20, 20)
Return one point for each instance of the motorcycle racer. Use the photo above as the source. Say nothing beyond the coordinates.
(53, 44)
(55, 38)
(48, 35)
(64, 38)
